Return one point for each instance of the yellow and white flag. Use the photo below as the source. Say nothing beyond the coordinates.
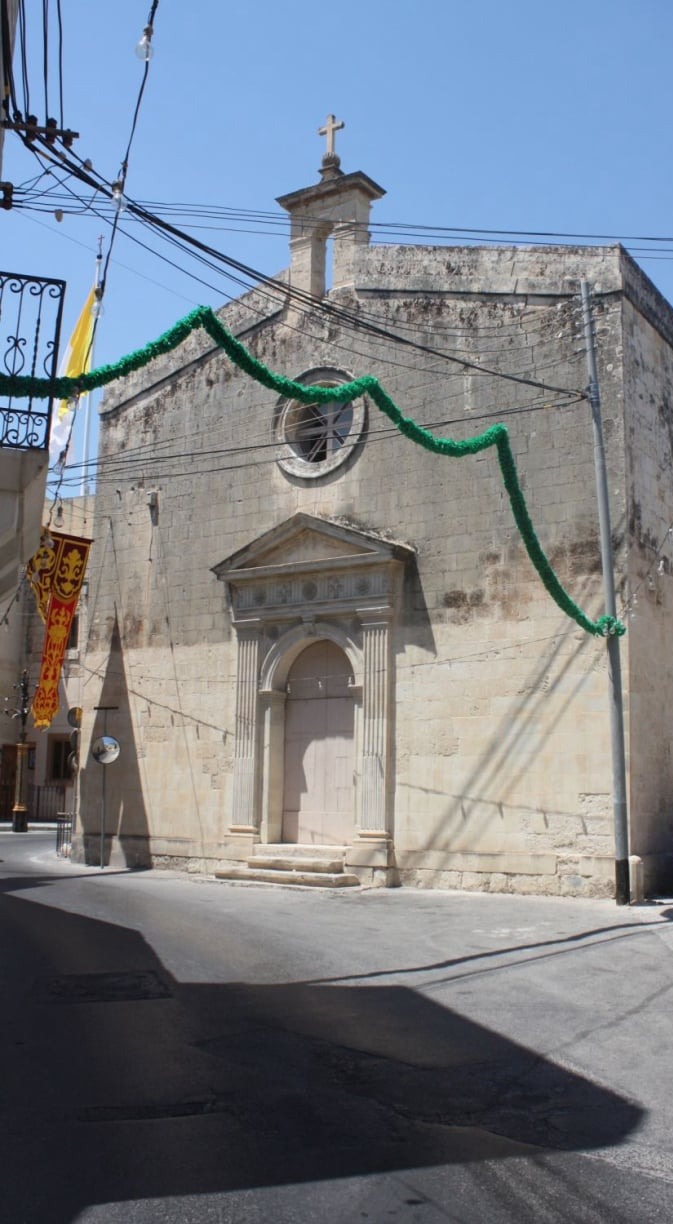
(76, 360)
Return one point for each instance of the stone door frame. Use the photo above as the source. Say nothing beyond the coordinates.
(307, 579)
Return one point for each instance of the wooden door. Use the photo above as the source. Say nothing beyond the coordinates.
(318, 805)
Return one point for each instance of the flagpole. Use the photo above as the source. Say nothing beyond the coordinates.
(85, 487)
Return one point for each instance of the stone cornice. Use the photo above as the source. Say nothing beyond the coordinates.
(365, 575)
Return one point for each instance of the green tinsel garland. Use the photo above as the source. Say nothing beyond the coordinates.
(68, 388)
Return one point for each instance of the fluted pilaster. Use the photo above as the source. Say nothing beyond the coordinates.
(375, 712)
(245, 816)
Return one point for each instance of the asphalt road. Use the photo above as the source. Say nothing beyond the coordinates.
(177, 1049)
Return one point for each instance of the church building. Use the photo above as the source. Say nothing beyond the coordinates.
(323, 648)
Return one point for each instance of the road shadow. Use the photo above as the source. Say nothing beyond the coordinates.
(122, 1083)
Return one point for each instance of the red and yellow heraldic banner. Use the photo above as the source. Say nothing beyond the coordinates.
(56, 573)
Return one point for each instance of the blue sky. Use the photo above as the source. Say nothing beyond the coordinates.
(524, 116)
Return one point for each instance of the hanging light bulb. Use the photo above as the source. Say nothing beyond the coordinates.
(144, 48)
(118, 195)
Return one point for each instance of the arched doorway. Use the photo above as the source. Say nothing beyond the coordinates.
(319, 760)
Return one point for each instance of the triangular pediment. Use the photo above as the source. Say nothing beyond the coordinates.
(307, 545)
(311, 542)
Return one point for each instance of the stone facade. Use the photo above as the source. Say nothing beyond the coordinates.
(227, 540)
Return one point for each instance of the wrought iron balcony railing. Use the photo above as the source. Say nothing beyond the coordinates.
(31, 308)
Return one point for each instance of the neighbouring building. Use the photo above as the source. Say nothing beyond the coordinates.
(30, 325)
(50, 782)
(307, 631)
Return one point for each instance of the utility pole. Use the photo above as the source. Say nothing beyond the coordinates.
(20, 809)
(621, 827)
(85, 486)
(105, 750)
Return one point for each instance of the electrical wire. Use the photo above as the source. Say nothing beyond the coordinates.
(125, 160)
(109, 470)
(7, 82)
(422, 232)
(24, 56)
(45, 55)
(386, 359)
(59, 20)
(379, 235)
(357, 320)
(482, 332)
(437, 382)
(118, 263)
(128, 458)
(331, 309)
(488, 652)
(102, 282)
(349, 317)
(397, 383)
(460, 361)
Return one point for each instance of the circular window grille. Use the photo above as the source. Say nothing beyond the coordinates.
(316, 438)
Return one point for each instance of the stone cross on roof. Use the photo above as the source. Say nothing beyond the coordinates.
(332, 125)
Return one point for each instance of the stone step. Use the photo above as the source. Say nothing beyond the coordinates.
(298, 850)
(283, 862)
(307, 879)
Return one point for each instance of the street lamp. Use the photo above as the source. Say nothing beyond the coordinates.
(20, 810)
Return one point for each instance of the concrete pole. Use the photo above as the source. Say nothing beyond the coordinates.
(621, 827)
(85, 485)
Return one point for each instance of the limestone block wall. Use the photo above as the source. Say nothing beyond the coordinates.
(501, 751)
(648, 394)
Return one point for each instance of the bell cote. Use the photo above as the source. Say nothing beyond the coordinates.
(337, 207)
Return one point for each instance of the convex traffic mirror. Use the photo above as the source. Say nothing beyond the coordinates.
(105, 749)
